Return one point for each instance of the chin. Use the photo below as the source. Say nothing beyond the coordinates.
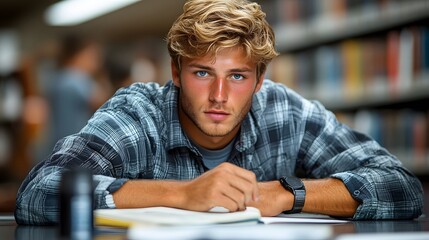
(222, 132)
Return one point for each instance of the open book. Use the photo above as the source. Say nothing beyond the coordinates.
(171, 216)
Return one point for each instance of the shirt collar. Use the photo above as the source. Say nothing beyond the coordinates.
(176, 135)
(251, 124)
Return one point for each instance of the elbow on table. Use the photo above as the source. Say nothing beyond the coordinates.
(31, 213)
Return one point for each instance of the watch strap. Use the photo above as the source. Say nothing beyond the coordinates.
(297, 191)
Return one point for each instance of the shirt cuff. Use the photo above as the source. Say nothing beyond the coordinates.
(116, 184)
(109, 201)
(113, 187)
(361, 190)
(104, 186)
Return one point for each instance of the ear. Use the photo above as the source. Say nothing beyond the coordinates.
(259, 83)
(175, 74)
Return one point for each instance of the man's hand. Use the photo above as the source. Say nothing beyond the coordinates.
(273, 200)
(227, 185)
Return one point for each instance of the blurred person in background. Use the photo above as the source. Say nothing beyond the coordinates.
(75, 92)
(118, 72)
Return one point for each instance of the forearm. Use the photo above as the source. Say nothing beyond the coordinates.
(227, 185)
(150, 193)
(324, 196)
(329, 196)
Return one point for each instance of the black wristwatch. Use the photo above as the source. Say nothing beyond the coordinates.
(297, 188)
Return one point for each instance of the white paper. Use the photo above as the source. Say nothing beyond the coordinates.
(301, 218)
(173, 216)
(385, 236)
(7, 218)
(220, 231)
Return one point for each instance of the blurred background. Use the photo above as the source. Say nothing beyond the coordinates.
(367, 61)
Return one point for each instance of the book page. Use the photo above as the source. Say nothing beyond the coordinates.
(301, 218)
(171, 216)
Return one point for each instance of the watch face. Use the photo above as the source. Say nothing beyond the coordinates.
(294, 182)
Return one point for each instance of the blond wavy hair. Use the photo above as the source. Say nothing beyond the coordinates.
(207, 26)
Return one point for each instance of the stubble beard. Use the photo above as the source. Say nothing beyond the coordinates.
(187, 108)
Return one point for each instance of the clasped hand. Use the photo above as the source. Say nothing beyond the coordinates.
(233, 188)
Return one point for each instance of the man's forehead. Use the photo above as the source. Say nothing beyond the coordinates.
(237, 55)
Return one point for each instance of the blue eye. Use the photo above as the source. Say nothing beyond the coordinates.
(237, 77)
(201, 73)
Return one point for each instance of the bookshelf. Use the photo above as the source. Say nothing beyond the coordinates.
(367, 61)
(367, 17)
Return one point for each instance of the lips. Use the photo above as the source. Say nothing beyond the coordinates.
(217, 116)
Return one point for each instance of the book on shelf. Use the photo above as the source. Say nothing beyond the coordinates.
(351, 52)
(171, 216)
(425, 48)
(392, 60)
(406, 58)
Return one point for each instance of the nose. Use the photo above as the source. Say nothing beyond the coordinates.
(219, 91)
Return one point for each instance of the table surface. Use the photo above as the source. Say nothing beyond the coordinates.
(10, 230)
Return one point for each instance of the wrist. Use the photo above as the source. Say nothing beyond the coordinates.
(286, 198)
(296, 187)
(177, 196)
(149, 193)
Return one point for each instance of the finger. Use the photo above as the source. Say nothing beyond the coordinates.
(247, 176)
(245, 187)
(236, 196)
(223, 188)
(251, 177)
(229, 203)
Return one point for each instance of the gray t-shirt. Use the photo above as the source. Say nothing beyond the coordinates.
(212, 158)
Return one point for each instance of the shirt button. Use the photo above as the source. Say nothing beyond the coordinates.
(356, 193)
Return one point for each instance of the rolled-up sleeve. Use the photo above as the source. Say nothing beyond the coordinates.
(118, 143)
(38, 197)
(113, 145)
(122, 141)
(385, 192)
(374, 177)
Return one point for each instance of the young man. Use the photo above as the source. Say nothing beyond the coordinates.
(221, 135)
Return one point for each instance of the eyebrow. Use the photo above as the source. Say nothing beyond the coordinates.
(200, 66)
(245, 69)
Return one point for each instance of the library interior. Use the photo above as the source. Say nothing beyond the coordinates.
(366, 61)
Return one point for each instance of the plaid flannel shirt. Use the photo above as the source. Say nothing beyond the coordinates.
(137, 135)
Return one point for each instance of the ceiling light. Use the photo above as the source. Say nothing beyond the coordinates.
(74, 12)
